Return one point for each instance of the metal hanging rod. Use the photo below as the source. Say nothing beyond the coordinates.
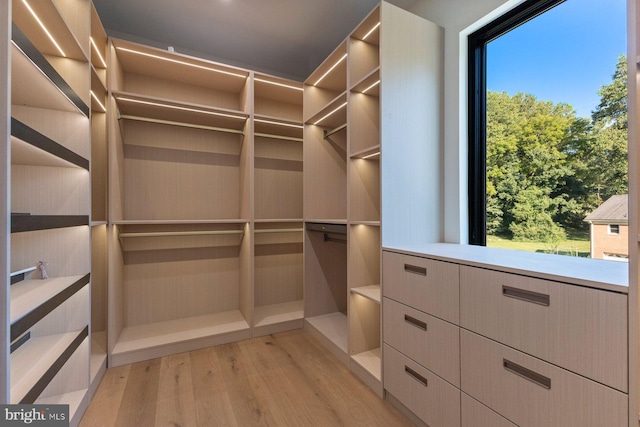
(328, 133)
(279, 230)
(333, 239)
(272, 136)
(182, 233)
(181, 124)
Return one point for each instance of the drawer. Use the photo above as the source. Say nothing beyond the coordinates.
(427, 285)
(431, 398)
(531, 392)
(475, 414)
(432, 342)
(580, 329)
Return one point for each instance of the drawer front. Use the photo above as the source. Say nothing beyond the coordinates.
(475, 414)
(432, 342)
(427, 285)
(580, 329)
(530, 392)
(431, 398)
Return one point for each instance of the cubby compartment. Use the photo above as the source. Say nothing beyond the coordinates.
(99, 299)
(325, 159)
(325, 285)
(65, 48)
(178, 287)
(173, 171)
(364, 49)
(326, 83)
(364, 117)
(278, 277)
(161, 75)
(50, 336)
(364, 303)
(278, 158)
(277, 98)
(364, 189)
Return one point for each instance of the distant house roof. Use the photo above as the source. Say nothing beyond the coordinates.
(614, 210)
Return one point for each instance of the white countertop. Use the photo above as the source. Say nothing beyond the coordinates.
(600, 274)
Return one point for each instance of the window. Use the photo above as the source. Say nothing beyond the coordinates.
(542, 158)
(614, 229)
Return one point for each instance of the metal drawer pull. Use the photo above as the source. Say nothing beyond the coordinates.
(527, 374)
(415, 322)
(416, 376)
(524, 295)
(421, 271)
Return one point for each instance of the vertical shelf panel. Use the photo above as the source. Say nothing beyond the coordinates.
(5, 186)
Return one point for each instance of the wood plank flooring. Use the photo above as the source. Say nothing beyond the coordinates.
(286, 379)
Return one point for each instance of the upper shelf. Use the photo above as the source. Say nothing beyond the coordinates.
(276, 89)
(332, 115)
(369, 84)
(332, 73)
(24, 222)
(60, 40)
(161, 64)
(132, 106)
(35, 83)
(369, 28)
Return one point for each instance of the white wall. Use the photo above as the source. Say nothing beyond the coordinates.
(459, 18)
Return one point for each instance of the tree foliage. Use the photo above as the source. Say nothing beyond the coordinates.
(546, 167)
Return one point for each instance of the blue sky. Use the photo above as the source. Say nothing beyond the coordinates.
(564, 55)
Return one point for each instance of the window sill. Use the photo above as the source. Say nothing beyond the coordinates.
(593, 273)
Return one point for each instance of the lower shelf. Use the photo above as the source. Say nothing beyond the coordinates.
(370, 361)
(274, 318)
(368, 367)
(35, 363)
(332, 330)
(148, 341)
(75, 400)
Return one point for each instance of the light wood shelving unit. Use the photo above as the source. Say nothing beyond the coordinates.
(99, 200)
(360, 115)
(50, 204)
(205, 203)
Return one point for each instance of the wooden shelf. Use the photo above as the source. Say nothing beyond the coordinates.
(52, 18)
(276, 97)
(31, 86)
(332, 115)
(370, 361)
(147, 341)
(25, 223)
(179, 221)
(178, 68)
(332, 73)
(371, 82)
(278, 313)
(274, 128)
(164, 111)
(32, 300)
(74, 399)
(371, 153)
(42, 65)
(371, 292)
(30, 147)
(333, 326)
(36, 362)
(369, 29)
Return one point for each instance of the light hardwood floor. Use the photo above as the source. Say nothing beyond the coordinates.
(286, 379)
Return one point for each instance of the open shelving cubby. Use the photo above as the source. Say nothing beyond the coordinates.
(278, 264)
(50, 204)
(180, 180)
(181, 286)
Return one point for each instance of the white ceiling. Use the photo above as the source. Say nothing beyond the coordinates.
(283, 37)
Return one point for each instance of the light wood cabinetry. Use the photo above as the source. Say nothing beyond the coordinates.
(47, 290)
(205, 203)
(351, 118)
(522, 350)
